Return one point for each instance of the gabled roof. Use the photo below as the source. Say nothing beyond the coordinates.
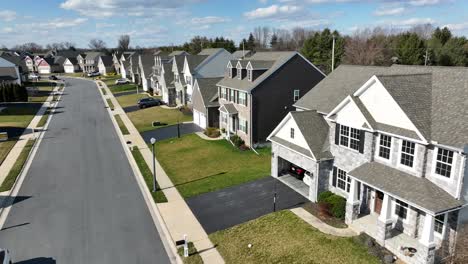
(260, 64)
(208, 90)
(6, 63)
(228, 108)
(315, 130)
(93, 55)
(168, 75)
(238, 54)
(415, 190)
(277, 59)
(209, 52)
(194, 60)
(59, 60)
(178, 53)
(107, 60)
(73, 61)
(147, 61)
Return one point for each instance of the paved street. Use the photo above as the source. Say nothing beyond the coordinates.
(238, 204)
(80, 201)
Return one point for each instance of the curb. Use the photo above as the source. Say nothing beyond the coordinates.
(166, 239)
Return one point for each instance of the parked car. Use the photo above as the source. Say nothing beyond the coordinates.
(121, 81)
(53, 77)
(297, 171)
(34, 76)
(148, 102)
(93, 74)
(5, 256)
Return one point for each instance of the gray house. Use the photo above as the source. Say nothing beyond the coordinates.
(390, 141)
(145, 64)
(256, 93)
(89, 61)
(205, 102)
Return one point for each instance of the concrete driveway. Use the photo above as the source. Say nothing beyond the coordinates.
(81, 200)
(170, 131)
(235, 205)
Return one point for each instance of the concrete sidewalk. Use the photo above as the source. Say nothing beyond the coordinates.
(10, 160)
(177, 216)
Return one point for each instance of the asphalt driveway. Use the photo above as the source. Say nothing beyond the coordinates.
(238, 204)
(170, 131)
(132, 108)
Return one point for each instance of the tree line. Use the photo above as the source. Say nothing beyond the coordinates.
(10, 92)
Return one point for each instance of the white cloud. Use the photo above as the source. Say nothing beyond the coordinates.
(61, 23)
(457, 26)
(273, 11)
(307, 23)
(7, 15)
(209, 20)
(424, 2)
(383, 11)
(108, 8)
(7, 30)
(409, 22)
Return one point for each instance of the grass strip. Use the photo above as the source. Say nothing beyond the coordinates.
(193, 258)
(44, 118)
(158, 196)
(103, 91)
(17, 167)
(110, 104)
(121, 124)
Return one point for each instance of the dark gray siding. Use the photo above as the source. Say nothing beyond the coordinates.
(274, 98)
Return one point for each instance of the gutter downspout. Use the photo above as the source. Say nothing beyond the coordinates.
(460, 182)
(316, 180)
(251, 124)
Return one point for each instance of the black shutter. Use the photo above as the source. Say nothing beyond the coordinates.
(334, 176)
(337, 134)
(362, 136)
(358, 190)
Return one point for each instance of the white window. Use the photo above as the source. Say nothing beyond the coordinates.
(349, 137)
(239, 73)
(230, 72)
(249, 75)
(243, 125)
(176, 77)
(407, 153)
(439, 223)
(232, 97)
(223, 93)
(242, 98)
(343, 181)
(444, 162)
(188, 79)
(292, 133)
(401, 209)
(296, 95)
(385, 146)
(223, 118)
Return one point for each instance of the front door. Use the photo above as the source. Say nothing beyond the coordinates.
(378, 201)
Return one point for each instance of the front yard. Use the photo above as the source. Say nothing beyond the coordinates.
(282, 237)
(130, 99)
(198, 166)
(41, 92)
(143, 119)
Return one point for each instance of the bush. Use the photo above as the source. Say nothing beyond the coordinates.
(212, 132)
(223, 130)
(337, 206)
(237, 141)
(323, 196)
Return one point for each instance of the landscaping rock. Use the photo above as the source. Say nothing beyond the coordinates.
(388, 259)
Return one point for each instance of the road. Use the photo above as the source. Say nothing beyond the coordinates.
(80, 202)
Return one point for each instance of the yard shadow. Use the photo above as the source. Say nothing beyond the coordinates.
(14, 226)
(40, 260)
(199, 179)
(6, 201)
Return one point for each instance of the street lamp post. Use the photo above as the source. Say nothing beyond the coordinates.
(153, 141)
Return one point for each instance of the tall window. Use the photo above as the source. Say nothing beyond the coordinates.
(349, 137)
(343, 181)
(233, 95)
(243, 125)
(296, 95)
(439, 223)
(223, 118)
(444, 162)
(230, 72)
(249, 75)
(223, 93)
(239, 73)
(401, 209)
(242, 98)
(407, 153)
(291, 133)
(385, 146)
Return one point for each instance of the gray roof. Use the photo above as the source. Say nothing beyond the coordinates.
(8, 73)
(228, 108)
(59, 60)
(92, 55)
(168, 75)
(415, 190)
(147, 61)
(209, 90)
(238, 54)
(315, 130)
(209, 52)
(277, 58)
(433, 97)
(261, 64)
(74, 61)
(178, 52)
(194, 60)
(17, 60)
(292, 146)
(107, 60)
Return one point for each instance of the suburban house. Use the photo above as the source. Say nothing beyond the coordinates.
(29, 61)
(134, 68)
(48, 65)
(390, 140)
(105, 65)
(208, 63)
(205, 102)
(258, 92)
(9, 72)
(71, 65)
(163, 80)
(145, 64)
(116, 62)
(19, 62)
(88, 61)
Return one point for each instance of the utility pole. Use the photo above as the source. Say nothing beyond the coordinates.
(243, 49)
(425, 58)
(333, 54)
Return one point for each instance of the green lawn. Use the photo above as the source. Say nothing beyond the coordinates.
(123, 88)
(198, 166)
(103, 91)
(17, 167)
(143, 119)
(121, 124)
(110, 104)
(44, 89)
(44, 118)
(282, 237)
(158, 196)
(193, 258)
(131, 99)
(5, 147)
(109, 79)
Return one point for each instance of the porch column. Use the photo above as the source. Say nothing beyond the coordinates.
(384, 222)
(352, 203)
(427, 239)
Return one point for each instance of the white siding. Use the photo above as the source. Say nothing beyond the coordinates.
(285, 133)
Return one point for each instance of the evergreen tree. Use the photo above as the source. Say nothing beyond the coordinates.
(443, 35)
(410, 49)
(1, 92)
(318, 49)
(250, 44)
(274, 42)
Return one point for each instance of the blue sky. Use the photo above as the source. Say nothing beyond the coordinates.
(162, 22)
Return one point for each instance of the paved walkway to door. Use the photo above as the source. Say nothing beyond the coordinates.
(324, 228)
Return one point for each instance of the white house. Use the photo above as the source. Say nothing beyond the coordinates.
(71, 65)
(9, 72)
(105, 65)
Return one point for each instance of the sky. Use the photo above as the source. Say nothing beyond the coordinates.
(172, 22)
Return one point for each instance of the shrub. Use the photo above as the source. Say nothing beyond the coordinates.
(212, 132)
(337, 206)
(223, 130)
(237, 141)
(323, 196)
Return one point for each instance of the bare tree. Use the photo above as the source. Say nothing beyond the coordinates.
(31, 47)
(68, 45)
(124, 42)
(362, 49)
(424, 31)
(97, 44)
(262, 37)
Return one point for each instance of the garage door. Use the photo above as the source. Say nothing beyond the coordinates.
(69, 69)
(44, 70)
(202, 120)
(199, 119)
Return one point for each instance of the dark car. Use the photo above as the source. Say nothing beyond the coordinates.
(297, 171)
(148, 102)
(53, 77)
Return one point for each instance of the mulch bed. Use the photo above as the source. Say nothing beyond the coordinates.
(313, 208)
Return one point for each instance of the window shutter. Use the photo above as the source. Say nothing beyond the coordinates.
(362, 136)
(337, 134)
(334, 176)
(358, 190)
